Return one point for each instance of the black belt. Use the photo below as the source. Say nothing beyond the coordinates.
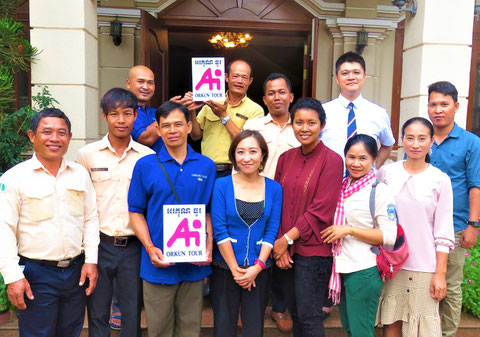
(59, 264)
(223, 167)
(118, 241)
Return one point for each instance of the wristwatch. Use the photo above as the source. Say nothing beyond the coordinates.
(225, 120)
(289, 241)
(475, 224)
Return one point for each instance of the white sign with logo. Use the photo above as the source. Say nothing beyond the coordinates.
(208, 78)
(184, 238)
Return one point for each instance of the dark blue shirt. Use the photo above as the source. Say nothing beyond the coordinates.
(459, 157)
(149, 191)
(145, 117)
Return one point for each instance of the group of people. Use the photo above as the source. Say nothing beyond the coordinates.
(287, 197)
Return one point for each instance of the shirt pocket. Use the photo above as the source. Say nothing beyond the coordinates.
(101, 181)
(75, 201)
(38, 205)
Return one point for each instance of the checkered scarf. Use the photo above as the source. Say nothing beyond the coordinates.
(339, 220)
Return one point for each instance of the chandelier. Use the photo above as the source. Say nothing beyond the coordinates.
(230, 40)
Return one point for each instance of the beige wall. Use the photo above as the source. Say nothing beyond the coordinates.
(66, 34)
(115, 61)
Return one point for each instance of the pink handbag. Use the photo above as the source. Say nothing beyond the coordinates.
(390, 260)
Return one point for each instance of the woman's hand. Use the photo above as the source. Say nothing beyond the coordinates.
(280, 246)
(284, 261)
(248, 275)
(438, 287)
(334, 233)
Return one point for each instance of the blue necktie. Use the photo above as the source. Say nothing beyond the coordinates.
(352, 123)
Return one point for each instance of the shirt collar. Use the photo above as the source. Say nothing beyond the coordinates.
(268, 119)
(105, 144)
(455, 133)
(241, 101)
(37, 165)
(164, 155)
(345, 102)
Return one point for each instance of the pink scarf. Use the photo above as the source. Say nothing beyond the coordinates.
(339, 220)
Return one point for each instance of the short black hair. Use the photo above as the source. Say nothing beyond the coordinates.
(229, 65)
(49, 112)
(350, 57)
(166, 108)
(118, 97)
(275, 76)
(312, 104)
(368, 142)
(241, 136)
(444, 87)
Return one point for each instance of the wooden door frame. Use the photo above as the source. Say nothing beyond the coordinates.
(397, 81)
(473, 70)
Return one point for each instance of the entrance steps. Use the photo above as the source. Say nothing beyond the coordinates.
(469, 326)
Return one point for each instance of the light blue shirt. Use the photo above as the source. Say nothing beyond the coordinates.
(459, 157)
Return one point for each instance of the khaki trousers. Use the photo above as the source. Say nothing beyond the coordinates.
(451, 305)
(173, 310)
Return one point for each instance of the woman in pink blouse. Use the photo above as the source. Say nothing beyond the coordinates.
(423, 196)
(311, 177)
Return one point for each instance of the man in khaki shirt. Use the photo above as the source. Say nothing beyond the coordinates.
(276, 128)
(49, 219)
(219, 123)
(110, 162)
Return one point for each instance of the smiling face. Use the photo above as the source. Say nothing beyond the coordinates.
(174, 129)
(141, 82)
(238, 79)
(277, 97)
(358, 161)
(441, 110)
(307, 128)
(417, 141)
(248, 156)
(120, 122)
(50, 141)
(350, 77)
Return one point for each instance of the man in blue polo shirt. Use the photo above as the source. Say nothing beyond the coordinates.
(457, 153)
(141, 82)
(172, 292)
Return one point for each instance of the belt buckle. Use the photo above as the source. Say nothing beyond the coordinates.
(120, 241)
(63, 263)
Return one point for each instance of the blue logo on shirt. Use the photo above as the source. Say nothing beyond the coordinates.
(391, 212)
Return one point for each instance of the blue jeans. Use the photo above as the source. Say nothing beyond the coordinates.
(58, 308)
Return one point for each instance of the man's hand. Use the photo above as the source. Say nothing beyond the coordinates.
(156, 256)
(16, 291)
(469, 237)
(190, 103)
(220, 110)
(89, 270)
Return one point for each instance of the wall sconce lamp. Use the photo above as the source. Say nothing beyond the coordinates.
(400, 3)
(362, 40)
(116, 31)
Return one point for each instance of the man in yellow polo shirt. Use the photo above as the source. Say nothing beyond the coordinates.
(219, 123)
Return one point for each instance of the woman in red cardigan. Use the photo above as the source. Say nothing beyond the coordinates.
(311, 177)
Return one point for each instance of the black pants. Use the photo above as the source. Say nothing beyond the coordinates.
(279, 298)
(122, 264)
(306, 289)
(228, 297)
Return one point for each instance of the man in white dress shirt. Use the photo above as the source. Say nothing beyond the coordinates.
(367, 117)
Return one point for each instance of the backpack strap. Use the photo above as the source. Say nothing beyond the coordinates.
(372, 202)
